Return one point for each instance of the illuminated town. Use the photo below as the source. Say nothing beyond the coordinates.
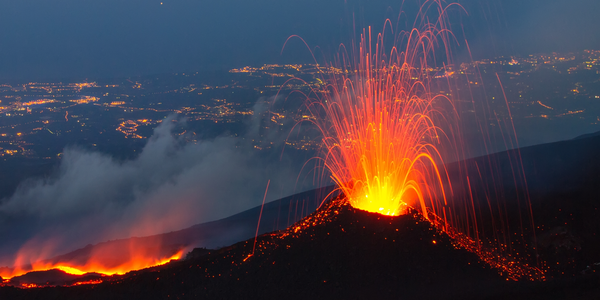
(40, 119)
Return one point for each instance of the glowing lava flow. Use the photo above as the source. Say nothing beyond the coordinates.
(135, 263)
(383, 126)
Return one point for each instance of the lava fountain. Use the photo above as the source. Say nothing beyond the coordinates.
(385, 132)
(389, 131)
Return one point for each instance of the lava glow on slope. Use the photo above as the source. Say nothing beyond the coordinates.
(99, 265)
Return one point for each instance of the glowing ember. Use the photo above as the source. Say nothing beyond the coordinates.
(87, 282)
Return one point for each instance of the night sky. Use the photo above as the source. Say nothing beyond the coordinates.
(64, 39)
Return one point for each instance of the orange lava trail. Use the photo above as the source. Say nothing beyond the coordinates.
(136, 263)
(260, 216)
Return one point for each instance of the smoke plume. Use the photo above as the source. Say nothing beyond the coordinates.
(171, 185)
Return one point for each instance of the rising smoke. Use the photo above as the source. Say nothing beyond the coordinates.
(171, 185)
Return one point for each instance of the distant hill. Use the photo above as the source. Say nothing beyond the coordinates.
(562, 180)
(52, 277)
(583, 136)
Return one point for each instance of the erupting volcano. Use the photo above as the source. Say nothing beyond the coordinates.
(388, 136)
(382, 126)
(386, 132)
(406, 186)
(424, 191)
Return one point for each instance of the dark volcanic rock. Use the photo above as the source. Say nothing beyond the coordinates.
(50, 277)
(561, 188)
(197, 253)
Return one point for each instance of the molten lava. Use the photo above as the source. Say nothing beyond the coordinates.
(94, 265)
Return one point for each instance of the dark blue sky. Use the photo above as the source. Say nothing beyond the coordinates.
(108, 38)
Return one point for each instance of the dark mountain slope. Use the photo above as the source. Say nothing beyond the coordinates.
(562, 182)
